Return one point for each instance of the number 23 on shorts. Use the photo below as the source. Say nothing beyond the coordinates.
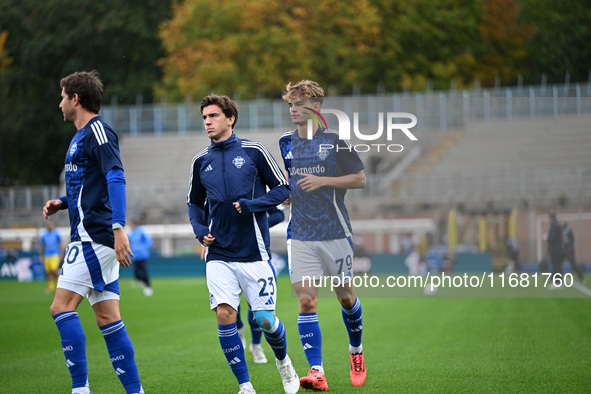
(267, 286)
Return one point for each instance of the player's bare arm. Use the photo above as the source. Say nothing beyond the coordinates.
(51, 207)
(122, 248)
(309, 182)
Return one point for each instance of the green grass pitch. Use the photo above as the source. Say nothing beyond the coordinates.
(412, 344)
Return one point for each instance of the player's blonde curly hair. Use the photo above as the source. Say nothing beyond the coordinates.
(304, 88)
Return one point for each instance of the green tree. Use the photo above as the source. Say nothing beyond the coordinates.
(426, 41)
(560, 43)
(50, 39)
(248, 48)
(4, 60)
(501, 51)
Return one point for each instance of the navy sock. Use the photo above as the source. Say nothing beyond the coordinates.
(255, 330)
(122, 355)
(311, 337)
(74, 346)
(233, 350)
(275, 336)
(353, 322)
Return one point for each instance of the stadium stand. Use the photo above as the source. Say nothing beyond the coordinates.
(540, 160)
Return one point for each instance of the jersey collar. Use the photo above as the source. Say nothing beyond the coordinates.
(226, 144)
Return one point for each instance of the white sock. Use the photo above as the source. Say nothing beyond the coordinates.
(319, 368)
(356, 349)
(247, 385)
(281, 363)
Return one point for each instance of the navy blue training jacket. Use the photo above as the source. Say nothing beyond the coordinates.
(229, 171)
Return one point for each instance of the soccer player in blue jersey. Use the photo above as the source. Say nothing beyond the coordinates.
(95, 200)
(319, 232)
(233, 175)
(51, 251)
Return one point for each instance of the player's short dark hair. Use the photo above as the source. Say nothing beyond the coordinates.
(227, 105)
(88, 86)
(304, 88)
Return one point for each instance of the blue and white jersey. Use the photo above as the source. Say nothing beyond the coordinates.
(93, 152)
(235, 170)
(319, 215)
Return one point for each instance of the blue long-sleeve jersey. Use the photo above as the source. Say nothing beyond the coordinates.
(95, 184)
(319, 215)
(229, 171)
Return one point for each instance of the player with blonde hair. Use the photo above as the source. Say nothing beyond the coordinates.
(319, 233)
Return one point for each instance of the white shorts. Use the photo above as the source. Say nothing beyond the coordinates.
(317, 259)
(90, 265)
(93, 295)
(226, 282)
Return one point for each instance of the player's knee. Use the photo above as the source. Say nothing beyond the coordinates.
(54, 309)
(347, 302)
(59, 306)
(104, 318)
(225, 314)
(265, 319)
(308, 305)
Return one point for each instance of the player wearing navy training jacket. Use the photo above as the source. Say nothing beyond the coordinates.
(321, 168)
(232, 175)
(95, 200)
(275, 216)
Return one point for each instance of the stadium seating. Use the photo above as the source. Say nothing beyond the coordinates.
(539, 160)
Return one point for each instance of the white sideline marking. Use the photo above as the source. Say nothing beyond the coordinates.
(582, 288)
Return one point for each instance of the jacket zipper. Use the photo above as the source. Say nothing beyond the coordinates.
(254, 182)
(224, 173)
